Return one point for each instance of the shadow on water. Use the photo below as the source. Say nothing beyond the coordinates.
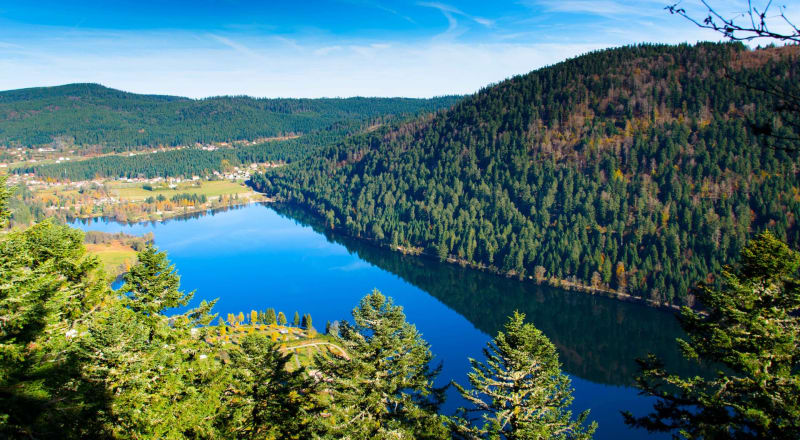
(598, 338)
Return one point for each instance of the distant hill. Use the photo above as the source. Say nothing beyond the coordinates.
(629, 169)
(90, 114)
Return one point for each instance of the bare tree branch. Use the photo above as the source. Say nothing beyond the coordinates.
(761, 24)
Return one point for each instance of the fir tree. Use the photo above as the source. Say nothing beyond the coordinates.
(750, 326)
(277, 402)
(157, 367)
(385, 386)
(151, 285)
(520, 390)
(296, 320)
(48, 289)
(281, 318)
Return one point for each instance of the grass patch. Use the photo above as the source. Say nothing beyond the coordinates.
(210, 189)
(115, 256)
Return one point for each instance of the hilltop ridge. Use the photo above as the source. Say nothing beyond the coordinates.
(91, 114)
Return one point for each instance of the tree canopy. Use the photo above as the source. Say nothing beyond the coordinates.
(748, 330)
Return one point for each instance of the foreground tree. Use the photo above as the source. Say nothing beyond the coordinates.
(157, 367)
(49, 287)
(520, 390)
(385, 388)
(267, 400)
(152, 285)
(751, 328)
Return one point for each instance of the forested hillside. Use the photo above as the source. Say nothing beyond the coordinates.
(187, 162)
(90, 114)
(632, 169)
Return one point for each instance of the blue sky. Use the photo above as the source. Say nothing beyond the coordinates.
(315, 48)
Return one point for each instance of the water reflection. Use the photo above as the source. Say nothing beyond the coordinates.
(598, 338)
(178, 218)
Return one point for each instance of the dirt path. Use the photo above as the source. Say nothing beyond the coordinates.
(313, 344)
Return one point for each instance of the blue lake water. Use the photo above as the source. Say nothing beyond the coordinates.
(255, 258)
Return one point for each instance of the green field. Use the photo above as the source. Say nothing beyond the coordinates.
(135, 192)
(113, 256)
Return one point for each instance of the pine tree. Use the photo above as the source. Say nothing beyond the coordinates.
(49, 287)
(520, 390)
(281, 318)
(145, 358)
(296, 320)
(151, 285)
(385, 388)
(270, 319)
(277, 401)
(749, 326)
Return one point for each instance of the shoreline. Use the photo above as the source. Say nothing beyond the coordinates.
(170, 215)
(559, 283)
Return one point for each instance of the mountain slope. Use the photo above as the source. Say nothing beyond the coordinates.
(90, 114)
(629, 169)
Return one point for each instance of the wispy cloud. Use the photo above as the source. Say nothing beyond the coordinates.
(450, 13)
(4, 45)
(379, 6)
(238, 47)
(622, 9)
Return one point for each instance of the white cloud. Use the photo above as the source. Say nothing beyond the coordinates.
(219, 65)
(199, 64)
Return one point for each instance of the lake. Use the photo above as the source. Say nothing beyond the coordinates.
(255, 257)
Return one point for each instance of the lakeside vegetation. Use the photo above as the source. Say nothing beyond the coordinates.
(81, 360)
(630, 170)
(127, 201)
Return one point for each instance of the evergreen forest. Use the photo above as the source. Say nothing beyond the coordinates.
(91, 114)
(638, 170)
